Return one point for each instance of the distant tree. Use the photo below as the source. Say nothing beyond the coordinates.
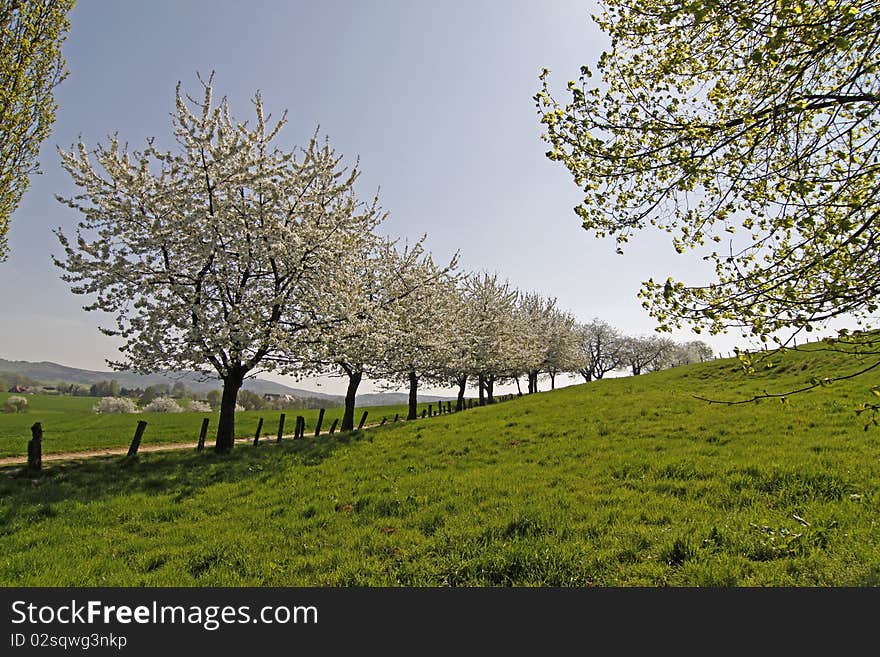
(695, 351)
(152, 392)
(15, 404)
(115, 405)
(561, 351)
(213, 397)
(601, 349)
(105, 389)
(17, 379)
(485, 334)
(215, 257)
(31, 66)
(178, 390)
(196, 406)
(251, 401)
(131, 392)
(163, 405)
(534, 316)
(644, 354)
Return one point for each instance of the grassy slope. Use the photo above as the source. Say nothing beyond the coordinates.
(619, 482)
(69, 424)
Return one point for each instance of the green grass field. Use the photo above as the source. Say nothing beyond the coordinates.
(621, 482)
(70, 425)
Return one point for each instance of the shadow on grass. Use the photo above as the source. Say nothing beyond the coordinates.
(181, 473)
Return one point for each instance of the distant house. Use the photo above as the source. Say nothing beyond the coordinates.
(273, 396)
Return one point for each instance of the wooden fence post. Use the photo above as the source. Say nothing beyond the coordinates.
(384, 419)
(35, 448)
(280, 427)
(429, 411)
(396, 417)
(333, 426)
(300, 427)
(448, 407)
(203, 434)
(363, 420)
(320, 422)
(136, 441)
(424, 413)
(259, 429)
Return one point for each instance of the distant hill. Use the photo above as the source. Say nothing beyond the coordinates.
(48, 372)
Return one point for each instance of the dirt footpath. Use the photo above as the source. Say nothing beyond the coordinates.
(111, 451)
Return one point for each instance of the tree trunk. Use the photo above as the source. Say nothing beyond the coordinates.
(533, 382)
(552, 380)
(462, 387)
(413, 395)
(481, 384)
(518, 389)
(354, 380)
(226, 425)
(490, 390)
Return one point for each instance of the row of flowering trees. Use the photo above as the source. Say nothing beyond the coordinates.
(487, 333)
(231, 256)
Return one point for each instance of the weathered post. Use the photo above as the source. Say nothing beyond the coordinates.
(320, 421)
(449, 407)
(430, 412)
(259, 429)
(35, 448)
(300, 427)
(280, 427)
(136, 441)
(203, 433)
(363, 420)
(382, 423)
(396, 417)
(333, 426)
(424, 413)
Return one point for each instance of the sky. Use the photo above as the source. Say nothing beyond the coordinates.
(434, 99)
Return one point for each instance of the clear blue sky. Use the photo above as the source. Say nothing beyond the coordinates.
(434, 97)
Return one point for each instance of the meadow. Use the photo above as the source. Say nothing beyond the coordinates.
(69, 424)
(621, 482)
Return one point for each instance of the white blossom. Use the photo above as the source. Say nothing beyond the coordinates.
(163, 405)
(115, 405)
(216, 256)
